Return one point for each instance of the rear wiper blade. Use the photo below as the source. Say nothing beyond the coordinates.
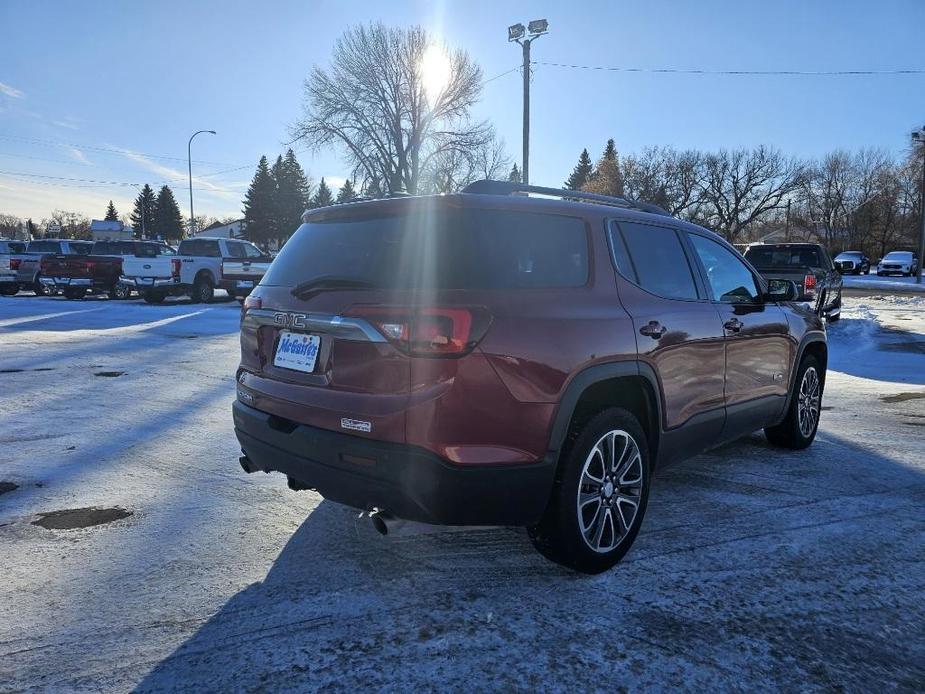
(330, 282)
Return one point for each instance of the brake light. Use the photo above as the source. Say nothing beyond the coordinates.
(14, 263)
(429, 331)
(809, 285)
(175, 267)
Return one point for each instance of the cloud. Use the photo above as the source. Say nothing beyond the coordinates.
(172, 175)
(12, 92)
(65, 124)
(78, 155)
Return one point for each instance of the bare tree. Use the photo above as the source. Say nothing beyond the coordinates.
(666, 177)
(741, 186)
(376, 101)
(827, 192)
(454, 169)
(74, 225)
(10, 225)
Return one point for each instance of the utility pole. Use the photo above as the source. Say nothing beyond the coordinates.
(919, 136)
(517, 32)
(189, 161)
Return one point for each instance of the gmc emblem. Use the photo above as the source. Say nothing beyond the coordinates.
(289, 320)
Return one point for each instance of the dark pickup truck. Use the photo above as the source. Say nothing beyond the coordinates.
(29, 270)
(98, 272)
(807, 265)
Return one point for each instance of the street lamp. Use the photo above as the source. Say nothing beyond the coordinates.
(919, 137)
(189, 160)
(525, 36)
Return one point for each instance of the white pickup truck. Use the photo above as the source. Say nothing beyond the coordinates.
(11, 253)
(201, 266)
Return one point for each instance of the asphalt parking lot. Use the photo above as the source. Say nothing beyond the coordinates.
(755, 567)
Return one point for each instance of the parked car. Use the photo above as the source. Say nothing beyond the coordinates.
(200, 266)
(11, 254)
(852, 263)
(100, 271)
(30, 273)
(807, 265)
(903, 263)
(490, 358)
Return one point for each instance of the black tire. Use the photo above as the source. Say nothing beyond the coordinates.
(232, 293)
(559, 536)
(120, 291)
(9, 289)
(203, 291)
(153, 297)
(75, 292)
(790, 433)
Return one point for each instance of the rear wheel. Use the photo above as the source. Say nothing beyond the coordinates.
(9, 289)
(599, 497)
(799, 427)
(43, 289)
(153, 297)
(203, 291)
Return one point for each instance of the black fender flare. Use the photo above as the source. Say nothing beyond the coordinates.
(596, 374)
(808, 339)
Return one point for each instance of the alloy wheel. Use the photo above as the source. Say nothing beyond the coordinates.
(610, 491)
(808, 402)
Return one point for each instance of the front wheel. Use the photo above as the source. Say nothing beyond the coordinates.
(153, 297)
(75, 292)
(120, 291)
(599, 497)
(799, 427)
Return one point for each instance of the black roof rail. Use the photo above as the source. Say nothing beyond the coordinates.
(489, 187)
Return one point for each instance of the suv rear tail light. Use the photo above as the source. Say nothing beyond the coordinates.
(175, 267)
(250, 301)
(809, 285)
(428, 331)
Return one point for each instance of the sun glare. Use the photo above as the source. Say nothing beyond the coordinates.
(435, 71)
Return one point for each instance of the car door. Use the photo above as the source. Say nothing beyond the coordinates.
(678, 331)
(759, 349)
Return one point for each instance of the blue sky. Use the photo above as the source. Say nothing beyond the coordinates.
(110, 91)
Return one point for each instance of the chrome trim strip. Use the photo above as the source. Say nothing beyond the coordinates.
(342, 327)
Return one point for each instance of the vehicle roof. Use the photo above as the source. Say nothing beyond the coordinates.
(786, 244)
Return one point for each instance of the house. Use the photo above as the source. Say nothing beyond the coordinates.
(102, 230)
(230, 230)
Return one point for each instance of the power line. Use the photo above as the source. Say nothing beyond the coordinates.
(755, 73)
(506, 72)
(26, 176)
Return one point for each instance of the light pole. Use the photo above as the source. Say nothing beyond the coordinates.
(517, 33)
(919, 136)
(189, 160)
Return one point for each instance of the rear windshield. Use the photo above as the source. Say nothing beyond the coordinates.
(139, 249)
(205, 248)
(784, 257)
(12, 246)
(44, 246)
(446, 249)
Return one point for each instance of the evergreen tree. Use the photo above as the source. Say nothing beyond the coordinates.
(607, 178)
(111, 214)
(514, 176)
(143, 213)
(168, 222)
(293, 190)
(581, 174)
(346, 192)
(372, 188)
(260, 220)
(323, 196)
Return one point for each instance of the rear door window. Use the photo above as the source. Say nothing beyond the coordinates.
(441, 248)
(653, 257)
(235, 249)
(251, 251)
(207, 248)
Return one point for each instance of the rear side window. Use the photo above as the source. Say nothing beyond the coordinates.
(235, 249)
(81, 248)
(443, 248)
(201, 247)
(653, 258)
(251, 251)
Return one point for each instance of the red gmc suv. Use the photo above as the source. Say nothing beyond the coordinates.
(515, 355)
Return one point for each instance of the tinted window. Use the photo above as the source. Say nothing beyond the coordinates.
(44, 246)
(445, 248)
(81, 248)
(793, 256)
(202, 247)
(108, 248)
(657, 260)
(728, 278)
(12, 247)
(235, 249)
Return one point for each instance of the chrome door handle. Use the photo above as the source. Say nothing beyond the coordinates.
(653, 329)
(734, 325)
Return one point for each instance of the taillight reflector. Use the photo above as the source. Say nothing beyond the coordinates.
(175, 264)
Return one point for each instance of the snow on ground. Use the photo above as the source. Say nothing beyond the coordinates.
(889, 283)
(755, 567)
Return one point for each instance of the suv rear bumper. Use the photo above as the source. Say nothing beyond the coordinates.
(407, 481)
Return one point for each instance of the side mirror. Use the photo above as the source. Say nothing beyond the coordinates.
(782, 290)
